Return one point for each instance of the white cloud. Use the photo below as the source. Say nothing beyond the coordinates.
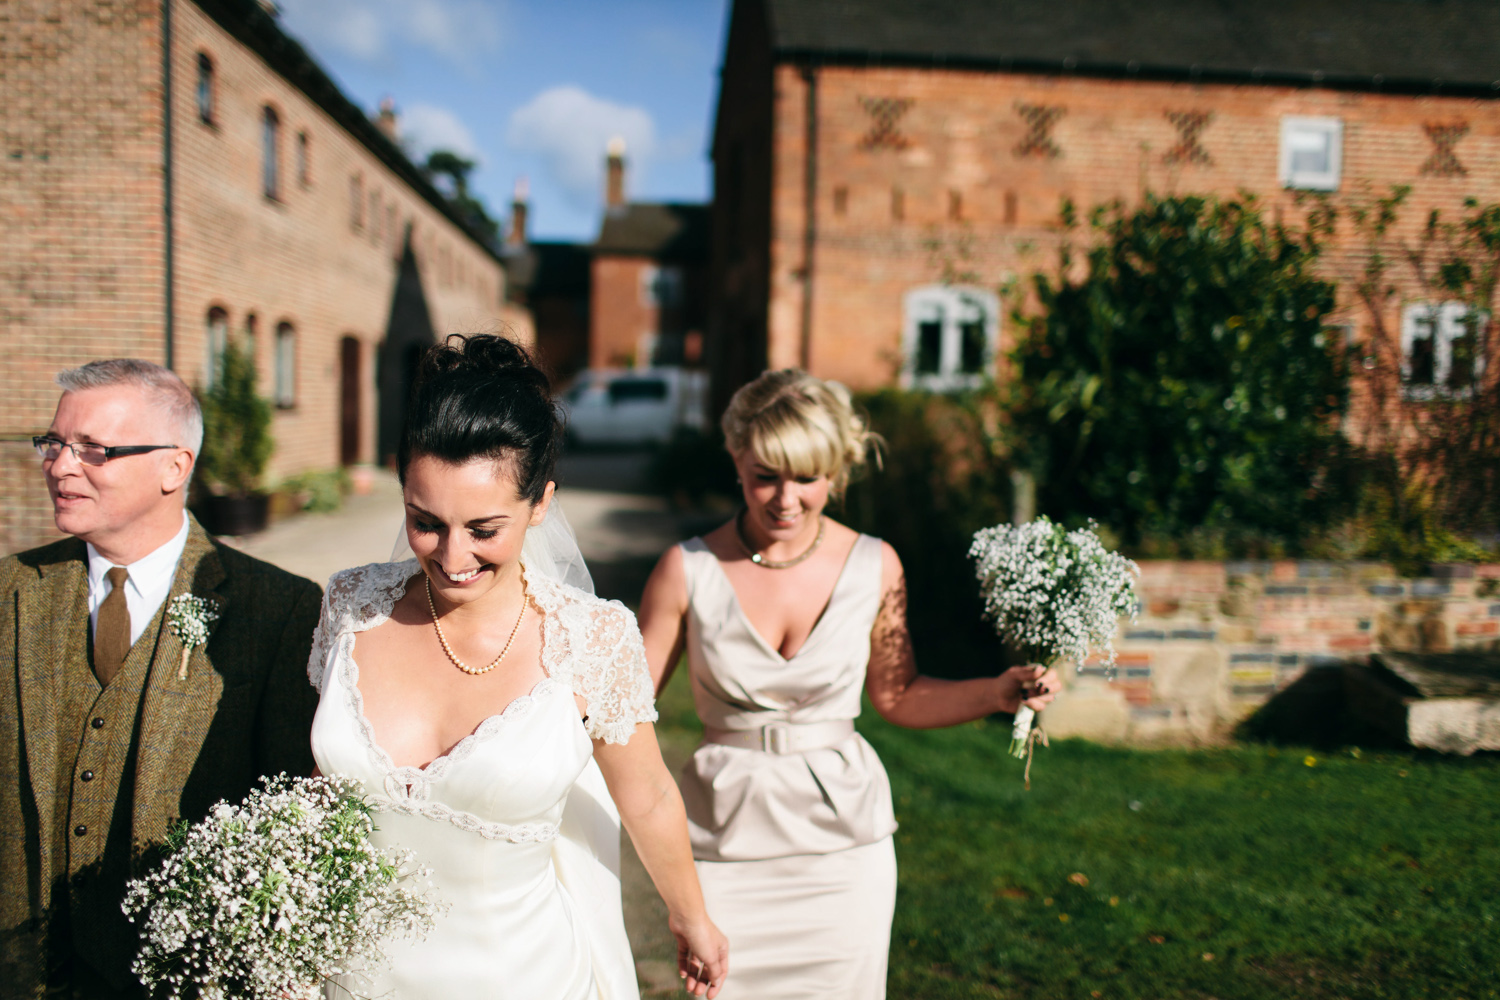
(425, 127)
(569, 128)
(461, 31)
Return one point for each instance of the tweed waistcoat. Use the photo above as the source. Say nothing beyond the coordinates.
(172, 742)
(93, 811)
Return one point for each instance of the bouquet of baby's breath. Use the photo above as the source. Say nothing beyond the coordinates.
(269, 898)
(1052, 593)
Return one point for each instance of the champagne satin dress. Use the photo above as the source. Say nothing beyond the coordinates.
(788, 807)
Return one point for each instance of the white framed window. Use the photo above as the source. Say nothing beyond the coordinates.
(1312, 153)
(661, 286)
(1442, 350)
(950, 337)
(286, 366)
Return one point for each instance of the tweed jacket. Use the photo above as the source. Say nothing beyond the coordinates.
(244, 710)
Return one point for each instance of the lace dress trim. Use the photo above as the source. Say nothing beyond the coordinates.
(408, 790)
(590, 647)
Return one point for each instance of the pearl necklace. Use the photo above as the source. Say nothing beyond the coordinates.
(760, 560)
(460, 664)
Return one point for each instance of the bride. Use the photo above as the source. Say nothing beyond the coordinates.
(471, 689)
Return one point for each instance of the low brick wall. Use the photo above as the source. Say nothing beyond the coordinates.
(1215, 640)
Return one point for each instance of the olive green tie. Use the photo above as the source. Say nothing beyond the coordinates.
(112, 632)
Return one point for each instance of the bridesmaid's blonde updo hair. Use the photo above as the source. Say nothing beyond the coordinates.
(798, 424)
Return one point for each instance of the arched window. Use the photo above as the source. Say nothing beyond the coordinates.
(356, 202)
(286, 366)
(270, 147)
(205, 88)
(304, 160)
(950, 338)
(252, 334)
(215, 339)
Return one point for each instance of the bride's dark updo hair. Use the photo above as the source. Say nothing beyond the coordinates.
(482, 397)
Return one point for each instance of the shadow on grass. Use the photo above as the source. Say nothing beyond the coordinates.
(1314, 712)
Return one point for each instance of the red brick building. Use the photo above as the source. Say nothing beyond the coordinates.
(635, 297)
(177, 172)
(550, 280)
(860, 144)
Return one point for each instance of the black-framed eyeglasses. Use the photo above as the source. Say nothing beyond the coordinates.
(50, 448)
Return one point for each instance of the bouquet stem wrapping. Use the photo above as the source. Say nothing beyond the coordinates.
(1020, 731)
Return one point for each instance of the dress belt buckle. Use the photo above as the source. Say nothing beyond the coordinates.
(776, 738)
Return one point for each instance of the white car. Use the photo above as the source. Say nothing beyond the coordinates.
(634, 406)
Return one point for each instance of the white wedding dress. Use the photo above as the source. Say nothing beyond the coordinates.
(514, 821)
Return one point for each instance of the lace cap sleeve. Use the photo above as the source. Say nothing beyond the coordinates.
(354, 599)
(596, 647)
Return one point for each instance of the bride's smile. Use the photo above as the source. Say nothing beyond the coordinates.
(466, 523)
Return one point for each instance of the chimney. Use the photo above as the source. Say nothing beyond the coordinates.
(517, 235)
(385, 119)
(614, 174)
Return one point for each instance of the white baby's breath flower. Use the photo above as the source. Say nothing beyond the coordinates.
(1053, 593)
(269, 898)
(188, 618)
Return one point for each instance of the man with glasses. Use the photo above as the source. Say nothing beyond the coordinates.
(107, 735)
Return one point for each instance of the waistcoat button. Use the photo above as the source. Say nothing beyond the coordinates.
(87, 775)
(98, 722)
(80, 829)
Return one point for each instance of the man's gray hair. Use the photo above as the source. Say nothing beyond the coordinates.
(163, 385)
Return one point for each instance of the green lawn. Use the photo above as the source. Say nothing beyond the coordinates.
(1249, 872)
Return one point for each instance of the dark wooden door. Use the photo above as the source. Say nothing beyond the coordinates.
(349, 383)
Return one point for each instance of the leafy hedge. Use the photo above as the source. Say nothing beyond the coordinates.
(1185, 378)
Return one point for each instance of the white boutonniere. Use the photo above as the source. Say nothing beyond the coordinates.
(188, 616)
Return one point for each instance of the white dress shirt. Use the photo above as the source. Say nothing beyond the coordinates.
(149, 584)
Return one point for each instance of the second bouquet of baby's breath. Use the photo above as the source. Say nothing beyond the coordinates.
(1052, 593)
(269, 898)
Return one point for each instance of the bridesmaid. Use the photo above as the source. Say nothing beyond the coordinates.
(786, 615)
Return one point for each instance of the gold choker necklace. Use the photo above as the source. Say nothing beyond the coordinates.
(460, 664)
(760, 560)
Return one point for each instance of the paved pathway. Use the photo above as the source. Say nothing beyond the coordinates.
(622, 528)
(317, 546)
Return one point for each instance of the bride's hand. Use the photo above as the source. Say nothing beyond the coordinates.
(702, 956)
(1032, 685)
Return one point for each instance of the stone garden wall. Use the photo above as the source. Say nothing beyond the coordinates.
(1215, 640)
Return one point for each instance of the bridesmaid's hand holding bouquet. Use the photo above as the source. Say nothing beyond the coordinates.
(1052, 593)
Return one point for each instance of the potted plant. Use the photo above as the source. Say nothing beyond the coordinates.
(236, 446)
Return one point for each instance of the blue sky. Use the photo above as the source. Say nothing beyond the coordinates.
(536, 90)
